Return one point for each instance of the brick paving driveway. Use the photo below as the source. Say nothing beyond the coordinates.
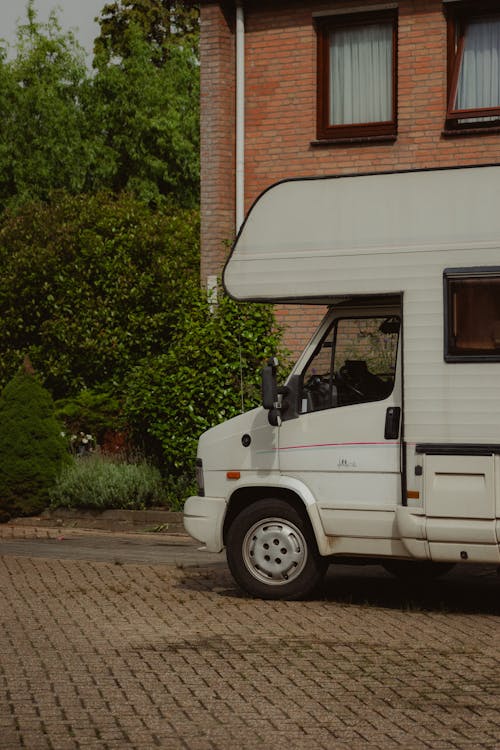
(97, 654)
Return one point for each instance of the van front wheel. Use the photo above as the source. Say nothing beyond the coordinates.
(271, 552)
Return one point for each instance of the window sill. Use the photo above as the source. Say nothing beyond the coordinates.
(457, 132)
(353, 141)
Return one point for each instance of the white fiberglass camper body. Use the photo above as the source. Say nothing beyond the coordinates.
(385, 442)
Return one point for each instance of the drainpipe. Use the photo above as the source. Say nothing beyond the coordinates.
(240, 114)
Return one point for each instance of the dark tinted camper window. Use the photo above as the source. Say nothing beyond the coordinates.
(472, 315)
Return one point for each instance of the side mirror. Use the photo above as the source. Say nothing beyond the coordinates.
(269, 384)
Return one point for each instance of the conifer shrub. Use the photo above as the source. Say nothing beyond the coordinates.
(32, 448)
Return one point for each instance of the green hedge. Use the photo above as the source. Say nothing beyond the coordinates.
(104, 294)
(210, 373)
(90, 285)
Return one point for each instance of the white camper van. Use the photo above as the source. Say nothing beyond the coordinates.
(384, 443)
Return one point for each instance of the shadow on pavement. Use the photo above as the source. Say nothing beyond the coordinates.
(465, 590)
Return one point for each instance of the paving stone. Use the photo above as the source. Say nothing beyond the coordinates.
(150, 654)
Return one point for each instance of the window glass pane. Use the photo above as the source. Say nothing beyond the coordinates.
(371, 341)
(474, 316)
(318, 388)
(479, 75)
(355, 363)
(361, 74)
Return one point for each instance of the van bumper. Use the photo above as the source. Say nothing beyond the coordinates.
(204, 520)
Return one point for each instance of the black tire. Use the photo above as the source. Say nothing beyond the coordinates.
(272, 553)
(415, 571)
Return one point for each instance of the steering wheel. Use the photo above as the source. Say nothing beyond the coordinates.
(315, 381)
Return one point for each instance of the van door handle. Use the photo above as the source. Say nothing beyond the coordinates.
(392, 419)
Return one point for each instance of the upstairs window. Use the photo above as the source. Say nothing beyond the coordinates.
(357, 75)
(473, 66)
(472, 315)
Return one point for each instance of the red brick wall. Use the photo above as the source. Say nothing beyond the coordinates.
(280, 62)
(217, 62)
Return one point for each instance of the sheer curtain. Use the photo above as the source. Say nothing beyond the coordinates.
(479, 77)
(361, 75)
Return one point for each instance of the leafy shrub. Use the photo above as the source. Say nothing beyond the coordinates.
(101, 483)
(32, 450)
(178, 489)
(170, 399)
(94, 410)
(91, 285)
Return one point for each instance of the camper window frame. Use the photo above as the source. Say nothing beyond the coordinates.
(385, 130)
(458, 17)
(464, 274)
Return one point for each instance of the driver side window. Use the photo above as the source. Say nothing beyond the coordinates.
(355, 363)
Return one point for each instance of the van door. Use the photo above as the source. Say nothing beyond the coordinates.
(345, 442)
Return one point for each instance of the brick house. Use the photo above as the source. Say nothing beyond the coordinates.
(298, 88)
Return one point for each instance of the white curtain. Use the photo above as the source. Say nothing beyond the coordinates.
(361, 75)
(479, 78)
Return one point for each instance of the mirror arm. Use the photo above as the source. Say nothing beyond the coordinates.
(272, 396)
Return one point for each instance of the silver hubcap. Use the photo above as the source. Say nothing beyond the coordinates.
(275, 551)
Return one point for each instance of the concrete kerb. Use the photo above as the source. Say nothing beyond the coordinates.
(139, 521)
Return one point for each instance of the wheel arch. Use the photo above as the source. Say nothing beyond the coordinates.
(298, 497)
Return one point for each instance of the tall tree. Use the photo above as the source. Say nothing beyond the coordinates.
(162, 22)
(133, 125)
(44, 142)
(148, 118)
